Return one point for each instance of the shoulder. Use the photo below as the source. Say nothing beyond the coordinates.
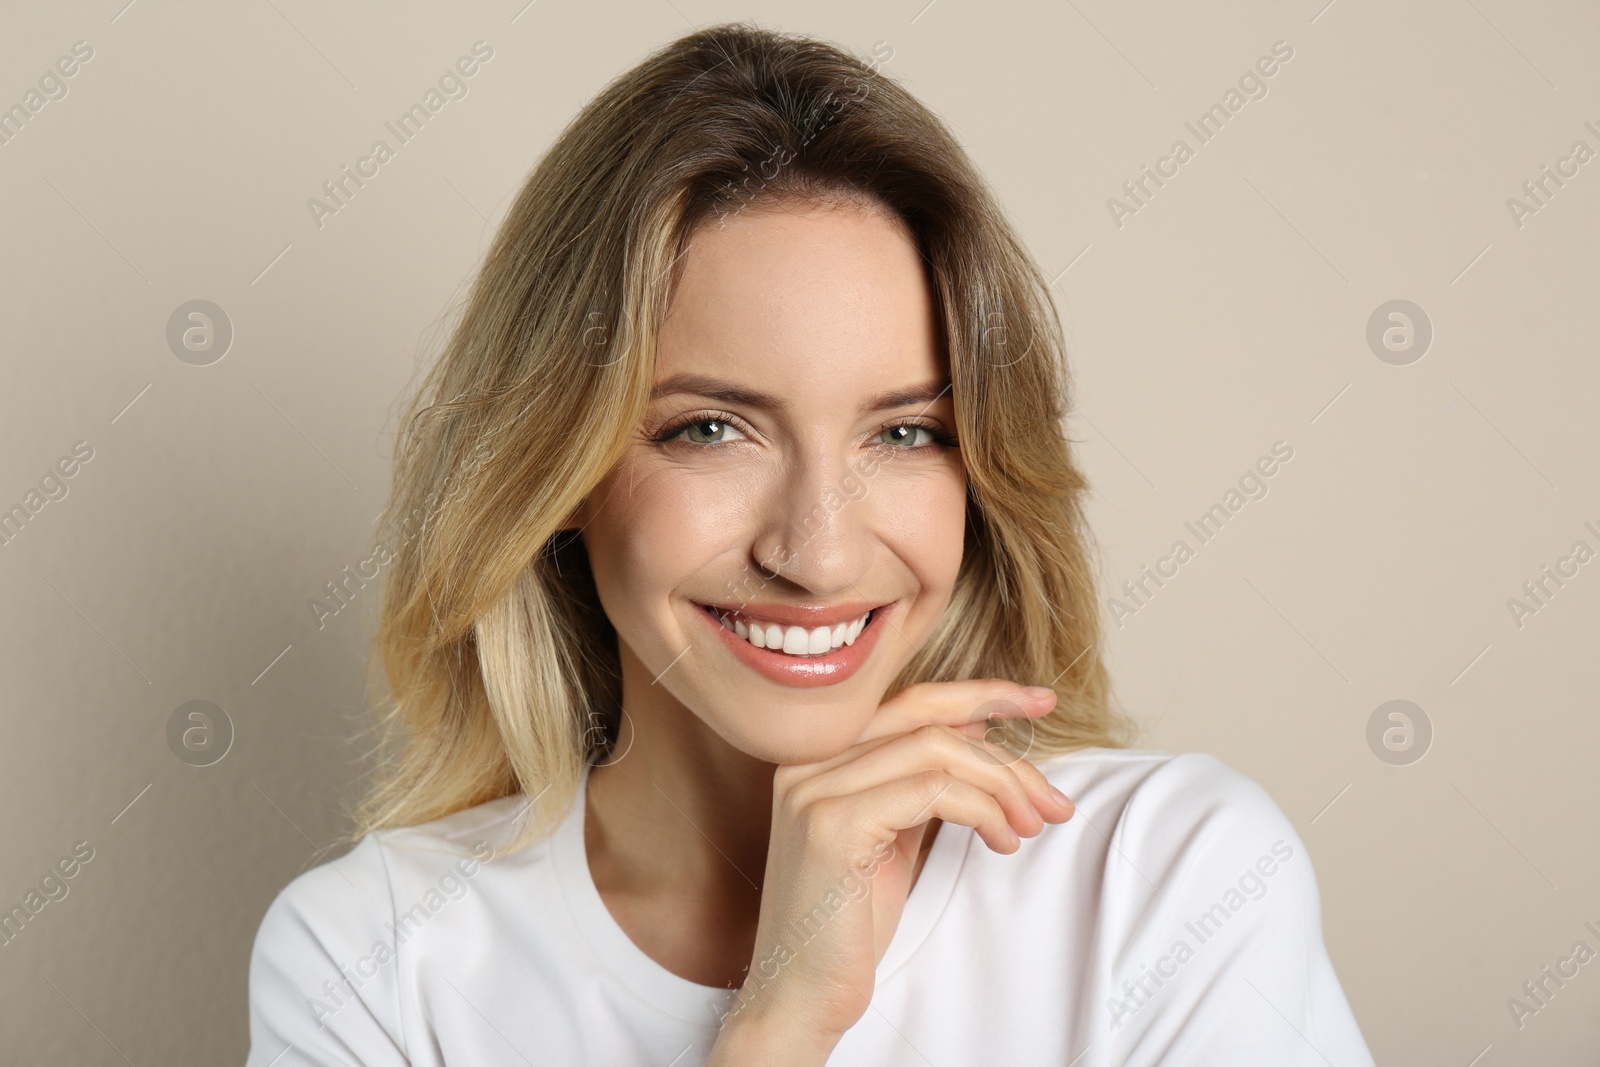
(316, 931)
(328, 904)
(323, 965)
(1176, 833)
(1163, 804)
(1150, 772)
(356, 893)
(1208, 920)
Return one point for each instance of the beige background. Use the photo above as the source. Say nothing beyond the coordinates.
(1229, 313)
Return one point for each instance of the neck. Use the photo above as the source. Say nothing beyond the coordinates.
(675, 804)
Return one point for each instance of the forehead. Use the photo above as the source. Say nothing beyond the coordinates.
(822, 300)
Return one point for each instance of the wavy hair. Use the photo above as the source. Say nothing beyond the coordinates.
(502, 670)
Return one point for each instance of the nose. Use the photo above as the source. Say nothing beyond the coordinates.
(814, 525)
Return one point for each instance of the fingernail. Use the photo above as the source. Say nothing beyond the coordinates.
(1037, 692)
(1060, 797)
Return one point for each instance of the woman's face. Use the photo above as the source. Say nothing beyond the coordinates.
(792, 473)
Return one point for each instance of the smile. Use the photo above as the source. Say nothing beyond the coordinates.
(791, 640)
(798, 646)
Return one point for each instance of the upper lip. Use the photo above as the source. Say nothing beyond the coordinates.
(799, 614)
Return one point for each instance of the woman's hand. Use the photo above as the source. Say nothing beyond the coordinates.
(846, 833)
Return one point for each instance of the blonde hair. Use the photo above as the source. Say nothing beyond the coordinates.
(502, 669)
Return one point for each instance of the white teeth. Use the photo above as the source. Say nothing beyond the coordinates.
(795, 640)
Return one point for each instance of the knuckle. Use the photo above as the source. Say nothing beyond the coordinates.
(819, 819)
(798, 796)
(981, 741)
(787, 776)
(982, 750)
(1004, 787)
(932, 783)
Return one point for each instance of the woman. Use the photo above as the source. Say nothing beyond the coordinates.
(744, 627)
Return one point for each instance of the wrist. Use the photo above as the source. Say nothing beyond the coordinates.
(752, 1039)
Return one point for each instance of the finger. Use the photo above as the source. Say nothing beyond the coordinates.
(1053, 804)
(979, 730)
(956, 704)
(938, 748)
(912, 801)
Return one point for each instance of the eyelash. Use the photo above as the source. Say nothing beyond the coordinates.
(941, 437)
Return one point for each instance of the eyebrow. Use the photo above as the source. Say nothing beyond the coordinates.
(732, 394)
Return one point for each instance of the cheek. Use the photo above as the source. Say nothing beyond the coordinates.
(924, 515)
(659, 528)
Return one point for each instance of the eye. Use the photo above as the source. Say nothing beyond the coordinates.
(708, 431)
(701, 430)
(905, 434)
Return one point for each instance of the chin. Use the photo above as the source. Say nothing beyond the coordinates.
(777, 730)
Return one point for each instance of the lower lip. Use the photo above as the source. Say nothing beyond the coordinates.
(802, 671)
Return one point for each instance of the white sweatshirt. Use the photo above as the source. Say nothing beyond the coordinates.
(1174, 919)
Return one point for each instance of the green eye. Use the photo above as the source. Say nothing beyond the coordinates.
(706, 431)
(701, 429)
(709, 432)
(905, 435)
